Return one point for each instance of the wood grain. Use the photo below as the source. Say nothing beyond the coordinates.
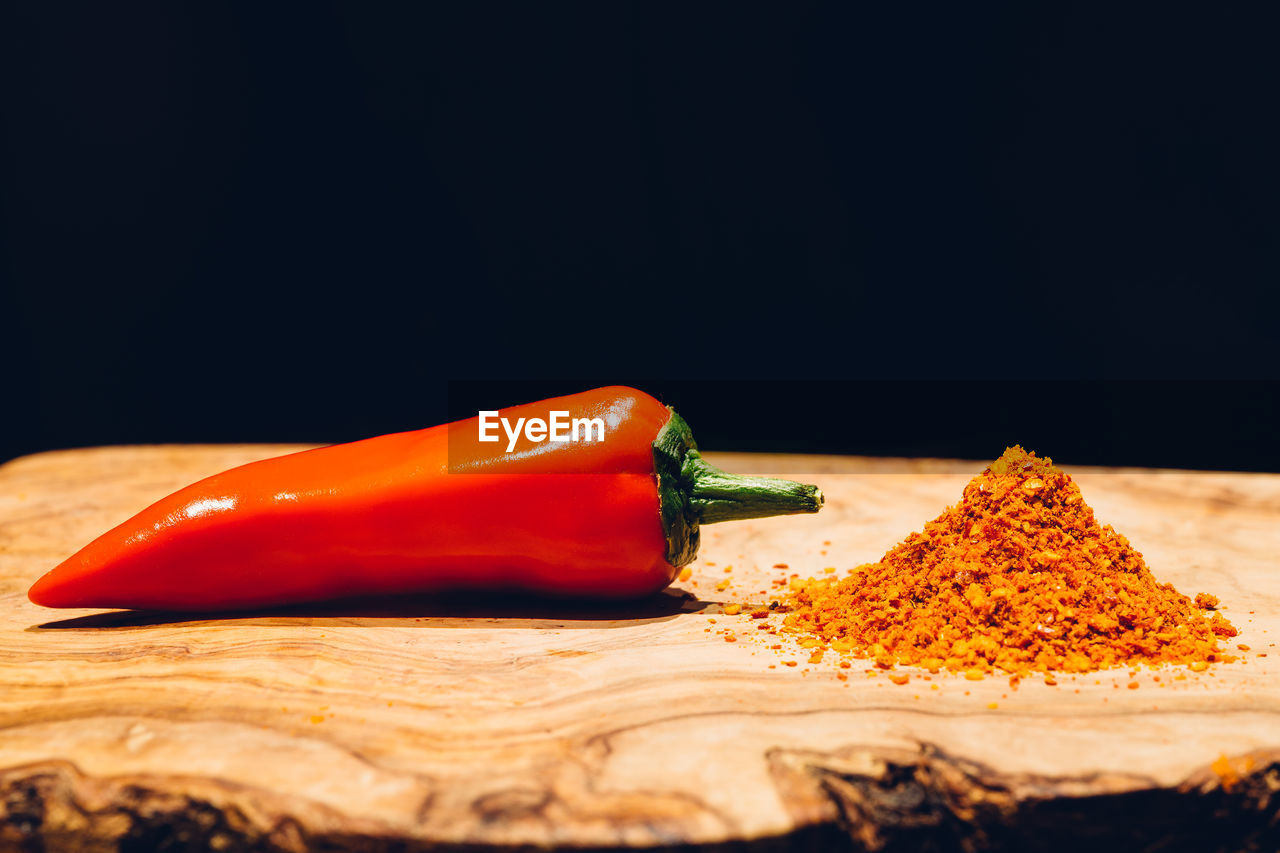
(502, 723)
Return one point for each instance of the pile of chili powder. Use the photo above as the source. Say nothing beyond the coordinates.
(1018, 576)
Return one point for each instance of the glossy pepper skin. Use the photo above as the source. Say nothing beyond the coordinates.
(414, 512)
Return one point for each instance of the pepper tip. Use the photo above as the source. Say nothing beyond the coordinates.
(39, 592)
(53, 590)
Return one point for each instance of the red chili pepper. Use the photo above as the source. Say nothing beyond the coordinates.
(431, 510)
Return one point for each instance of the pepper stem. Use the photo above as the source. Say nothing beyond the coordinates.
(717, 495)
(691, 492)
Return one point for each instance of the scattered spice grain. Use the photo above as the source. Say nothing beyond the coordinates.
(1228, 775)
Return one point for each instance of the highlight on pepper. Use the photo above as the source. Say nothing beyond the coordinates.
(432, 510)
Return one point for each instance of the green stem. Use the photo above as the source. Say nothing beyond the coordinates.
(720, 496)
(692, 492)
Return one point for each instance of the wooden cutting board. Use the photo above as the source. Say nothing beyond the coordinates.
(406, 724)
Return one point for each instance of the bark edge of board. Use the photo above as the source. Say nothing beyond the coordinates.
(854, 798)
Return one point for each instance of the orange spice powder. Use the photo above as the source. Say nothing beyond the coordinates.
(1017, 576)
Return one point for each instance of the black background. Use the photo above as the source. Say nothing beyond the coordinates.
(814, 228)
